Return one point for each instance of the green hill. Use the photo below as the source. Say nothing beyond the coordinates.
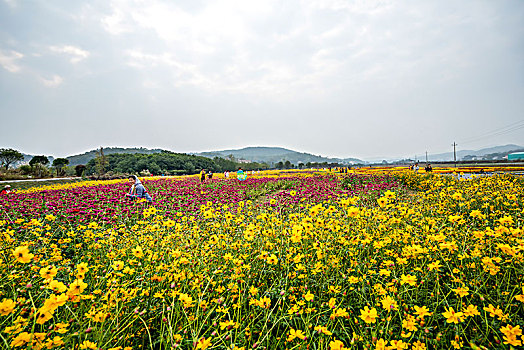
(84, 158)
(273, 155)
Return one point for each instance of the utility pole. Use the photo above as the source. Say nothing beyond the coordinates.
(454, 153)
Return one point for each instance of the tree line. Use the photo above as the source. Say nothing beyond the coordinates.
(162, 163)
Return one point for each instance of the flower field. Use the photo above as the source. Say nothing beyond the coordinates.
(289, 260)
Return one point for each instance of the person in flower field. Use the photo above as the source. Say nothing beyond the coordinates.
(137, 190)
(5, 190)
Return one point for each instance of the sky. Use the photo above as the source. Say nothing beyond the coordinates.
(365, 79)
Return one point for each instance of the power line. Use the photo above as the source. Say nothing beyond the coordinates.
(497, 132)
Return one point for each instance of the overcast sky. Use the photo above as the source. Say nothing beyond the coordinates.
(339, 78)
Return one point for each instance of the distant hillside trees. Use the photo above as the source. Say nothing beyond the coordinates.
(166, 163)
(8, 156)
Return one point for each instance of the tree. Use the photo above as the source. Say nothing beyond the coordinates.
(287, 164)
(79, 169)
(8, 156)
(101, 162)
(59, 163)
(39, 160)
(279, 165)
(38, 164)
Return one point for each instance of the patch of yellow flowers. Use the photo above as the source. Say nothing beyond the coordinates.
(438, 268)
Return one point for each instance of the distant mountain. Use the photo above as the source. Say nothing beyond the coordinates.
(84, 158)
(273, 155)
(469, 154)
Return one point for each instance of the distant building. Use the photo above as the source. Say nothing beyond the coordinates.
(516, 156)
(244, 161)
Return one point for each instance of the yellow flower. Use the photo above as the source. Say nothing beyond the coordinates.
(48, 272)
(381, 344)
(21, 339)
(77, 287)
(137, 252)
(369, 316)
(388, 303)
(422, 311)
(434, 266)
(88, 345)
(471, 310)
(397, 345)
(452, 316)
(336, 345)
(382, 201)
(295, 334)
(82, 268)
(510, 335)
(22, 254)
(203, 343)
(7, 306)
(408, 279)
(462, 291)
(52, 343)
(308, 296)
(418, 345)
(332, 302)
(322, 329)
(117, 265)
(57, 287)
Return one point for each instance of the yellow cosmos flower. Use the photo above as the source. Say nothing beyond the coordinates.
(336, 345)
(7, 306)
(369, 316)
(203, 343)
(77, 287)
(422, 311)
(510, 335)
(295, 334)
(137, 252)
(452, 316)
(22, 254)
(88, 345)
(408, 279)
(388, 303)
(117, 265)
(322, 329)
(308, 296)
(48, 272)
(471, 311)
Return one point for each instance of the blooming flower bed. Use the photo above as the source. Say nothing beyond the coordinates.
(300, 260)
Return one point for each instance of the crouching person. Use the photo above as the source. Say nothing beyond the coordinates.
(138, 191)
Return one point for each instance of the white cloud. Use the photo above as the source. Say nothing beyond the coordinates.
(8, 60)
(11, 3)
(76, 54)
(54, 81)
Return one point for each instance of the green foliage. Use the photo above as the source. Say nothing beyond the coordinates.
(80, 169)
(39, 160)
(166, 163)
(58, 164)
(8, 156)
(84, 158)
(100, 162)
(25, 169)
